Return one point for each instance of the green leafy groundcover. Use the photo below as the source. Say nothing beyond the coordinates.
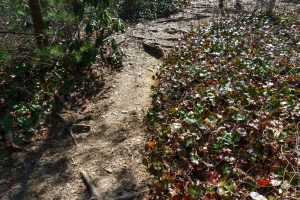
(225, 116)
(151, 9)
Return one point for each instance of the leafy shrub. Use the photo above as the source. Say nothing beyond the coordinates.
(32, 78)
(225, 117)
(138, 9)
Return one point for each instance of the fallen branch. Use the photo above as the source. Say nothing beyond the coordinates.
(89, 184)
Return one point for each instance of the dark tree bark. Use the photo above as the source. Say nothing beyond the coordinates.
(238, 5)
(38, 23)
(270, 7)
(256, 7)
(266, 5)
(221, 4)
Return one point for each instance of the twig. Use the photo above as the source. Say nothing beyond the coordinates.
(73, 161)
(89, 184)
(72, 136)
(15, 33)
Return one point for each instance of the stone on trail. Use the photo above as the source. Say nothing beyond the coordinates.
(154, 50)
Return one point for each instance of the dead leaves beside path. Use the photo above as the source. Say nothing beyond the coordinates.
(225, 117)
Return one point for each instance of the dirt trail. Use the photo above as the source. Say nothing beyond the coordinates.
(119, 138)
(112, 151)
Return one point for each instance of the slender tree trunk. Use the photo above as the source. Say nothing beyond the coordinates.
(38, 23)
(256, 7)
(270, 7)
(238, 5)
(221, 4)
(221, 7)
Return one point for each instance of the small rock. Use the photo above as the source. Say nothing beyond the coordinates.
(109, 170)
(133, 112)
(153, 50)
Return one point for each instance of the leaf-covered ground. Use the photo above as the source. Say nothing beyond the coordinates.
(225, 116)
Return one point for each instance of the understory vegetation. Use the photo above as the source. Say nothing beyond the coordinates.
(141, 9)
(225, 117)
(46, 45)
(40, 60)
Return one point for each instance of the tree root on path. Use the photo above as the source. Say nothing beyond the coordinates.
(94, 191)
(90, 185)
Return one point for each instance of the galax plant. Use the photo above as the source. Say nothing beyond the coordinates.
(225, 117)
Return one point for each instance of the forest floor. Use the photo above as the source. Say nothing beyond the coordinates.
(112, 150)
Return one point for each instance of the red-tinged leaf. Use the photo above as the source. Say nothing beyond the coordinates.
(176, 197)
(167, 176)
(263, 183)
(187, 197)
(151, 144)
(211, 82)
(211, 197)
(178, 186)
(213, 177)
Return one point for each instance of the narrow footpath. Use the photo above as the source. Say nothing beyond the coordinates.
(112, 151)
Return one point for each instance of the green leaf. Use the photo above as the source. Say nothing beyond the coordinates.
(195, 191)
(226, 138)
(56, 51)
(5, 56)
(239, 117)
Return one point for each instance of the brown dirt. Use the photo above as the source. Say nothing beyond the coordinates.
(112, 151)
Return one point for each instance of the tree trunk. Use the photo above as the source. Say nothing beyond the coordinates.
(238, 5)
(221, 4)
(256, 7)
(270, 7)
(38, 23)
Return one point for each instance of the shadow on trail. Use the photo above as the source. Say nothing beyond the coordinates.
(42, 165)
(127, 186)
(28, 177)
